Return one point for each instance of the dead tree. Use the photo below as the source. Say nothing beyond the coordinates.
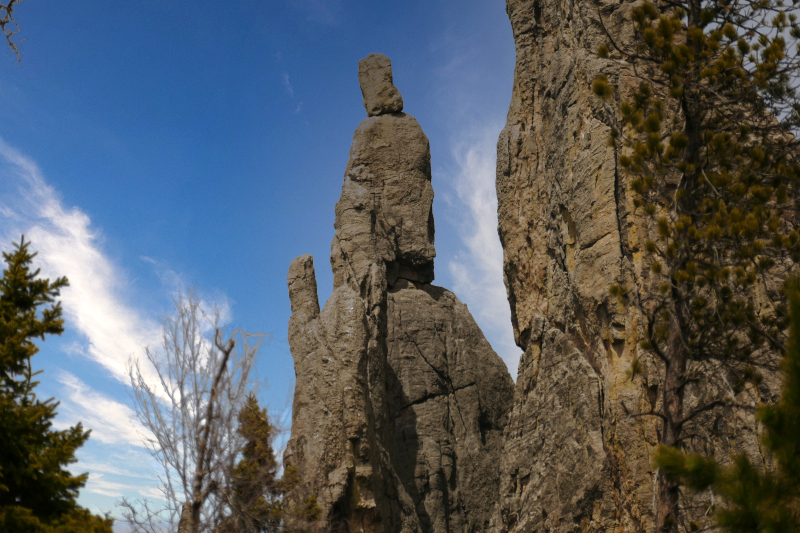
(188, 399)
(8, 25)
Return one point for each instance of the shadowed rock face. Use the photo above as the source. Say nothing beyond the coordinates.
(400, 402)
(449, 397)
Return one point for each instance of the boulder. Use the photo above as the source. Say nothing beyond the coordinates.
(377, 87)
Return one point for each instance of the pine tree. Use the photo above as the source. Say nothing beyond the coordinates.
(754, 500)
(255, 498)
(708, 144)
(37, 495)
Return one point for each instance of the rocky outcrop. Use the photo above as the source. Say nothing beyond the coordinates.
(377, 86)
(574, 458)
(400, 402)
(449, 400)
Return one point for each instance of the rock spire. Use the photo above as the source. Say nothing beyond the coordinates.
(400, 402)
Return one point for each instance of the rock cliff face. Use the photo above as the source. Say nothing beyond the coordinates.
(573, 458)
(404, 418)
(400, 403)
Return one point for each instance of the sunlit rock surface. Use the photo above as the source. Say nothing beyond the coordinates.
(400, 402)
(574, 459)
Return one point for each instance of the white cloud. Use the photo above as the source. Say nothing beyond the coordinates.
(477, 271)
(109, 468)
(214, 303)
(69, 246)
(287, 84)
(98, 484)
(111, 422)
(320, 11)
(109, 329)
(168, 277)
(133, 471)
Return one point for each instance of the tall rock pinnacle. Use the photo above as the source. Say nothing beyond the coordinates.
(385, 214)
(400, 402)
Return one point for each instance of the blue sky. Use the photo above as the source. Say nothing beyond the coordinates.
(147, 145)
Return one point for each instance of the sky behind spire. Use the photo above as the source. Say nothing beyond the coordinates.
(146, 146)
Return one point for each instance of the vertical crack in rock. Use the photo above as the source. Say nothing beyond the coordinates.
(622, 210)
(371, 449)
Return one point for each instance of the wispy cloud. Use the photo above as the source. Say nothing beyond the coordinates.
(287, 84)
(477, 270)
(111, 422)
(136, 478)
(213, 302)
(474, 107)
(101, 484)
(320, 11)
(109, 468)
(169, 278)
(69, 246)
(98, 484)
(109, 327)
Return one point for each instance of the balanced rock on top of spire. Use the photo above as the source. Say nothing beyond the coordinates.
(385, 213)
(377, 87)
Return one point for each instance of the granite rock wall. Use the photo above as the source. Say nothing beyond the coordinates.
(578, 452)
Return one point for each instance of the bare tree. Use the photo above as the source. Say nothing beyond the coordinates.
(8, 25)
(189, 403)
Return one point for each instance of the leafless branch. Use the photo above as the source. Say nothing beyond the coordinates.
(9, 26)
(187, 397)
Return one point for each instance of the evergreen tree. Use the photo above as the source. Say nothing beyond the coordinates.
(757, 501)
(255, 498)
(708, 144)
(37, 495)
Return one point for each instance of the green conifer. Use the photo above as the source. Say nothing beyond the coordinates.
(708, 149)
(755, 500)
(256, 496)
(37, 495)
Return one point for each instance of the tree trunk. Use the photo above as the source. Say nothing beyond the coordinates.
(677, 352)
(185, 524)
(667, 490)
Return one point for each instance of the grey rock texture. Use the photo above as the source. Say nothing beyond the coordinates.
(573, 458)
(400, 402)
(449, 399)
(377, 86)
(385, 213)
